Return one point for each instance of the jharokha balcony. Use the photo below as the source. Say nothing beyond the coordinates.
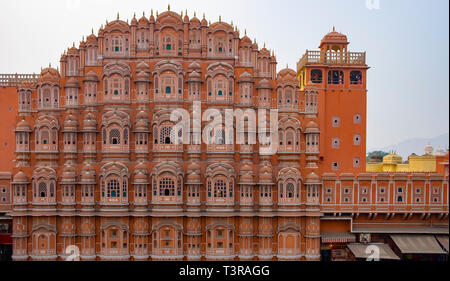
(332, 58)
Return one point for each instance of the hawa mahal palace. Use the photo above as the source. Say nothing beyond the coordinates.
(89, 157)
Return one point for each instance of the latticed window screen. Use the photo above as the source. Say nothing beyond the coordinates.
(113, 189)
(125, 136)
(42, 190)
(52, 189)
(290, 190)
(166, 135)
(114, 136)
(220, 189)
(167, 187)
(124, 188)
(220, 137)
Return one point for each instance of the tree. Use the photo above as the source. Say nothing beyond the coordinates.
(377, 153)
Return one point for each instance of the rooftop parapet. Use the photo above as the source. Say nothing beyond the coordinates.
(331, 58)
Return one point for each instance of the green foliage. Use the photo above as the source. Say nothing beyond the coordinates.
(378, 152)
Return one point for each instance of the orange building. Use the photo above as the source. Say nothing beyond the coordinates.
(97, 163)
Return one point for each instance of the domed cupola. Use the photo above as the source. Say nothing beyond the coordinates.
(312, 127)
(88, 174)
(91, 76)
(334, 41)
(90, 122)
(49, 75)
(20, 178)
(70, 124)
(72, 83)
(312, 178)
(68, 174)
(265, 174)
(23, 126)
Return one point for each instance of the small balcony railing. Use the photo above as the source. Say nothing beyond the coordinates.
(332, 58)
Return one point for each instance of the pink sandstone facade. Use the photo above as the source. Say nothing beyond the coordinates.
(96, 165)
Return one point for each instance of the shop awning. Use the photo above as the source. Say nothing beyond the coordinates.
(338, 237)
(359, 251)
(417, 244)
(443, 240)
(401, 230)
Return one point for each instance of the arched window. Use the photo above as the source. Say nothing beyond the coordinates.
(355, 77)
(220, 137)
(45, 136)
(335, 77)
(316, 76)
(113, 189)
(290, 190)
(117, 44)
(166, 135)
(114, 136)
(168, 90)
(125, 136)
(166, 187)
(42, 190)
(220, 189)
(288, 94)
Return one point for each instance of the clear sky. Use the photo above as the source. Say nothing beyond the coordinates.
(407, 45)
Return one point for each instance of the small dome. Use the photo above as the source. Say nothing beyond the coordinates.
(142, 76)
(312, 178)
(287, 74)
(141, 124)
(392, 159)
(195, 21)
(245, 77)
(90, 122)
(194, 65)
(247, 178)
(49, 75)
(194, 75)
(246, 168)
(72, 83)
(91, 76)
(193, 178)
(193, 166)
(204, 22)
(70, 123)
(264, 84)
(265, 178)
(245, 41)
(312, 127)
(91, 39)
(88, 173)
(143, 21)
(140, 177)
(20, 177)
(69, 174)
(142, 115)
(23, 126)
(142, 66)
(141, 166)
(334, 38)
(72, 51)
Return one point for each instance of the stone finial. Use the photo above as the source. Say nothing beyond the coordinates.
(168, 7)
(118, 16)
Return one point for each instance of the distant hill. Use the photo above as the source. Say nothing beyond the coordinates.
(417, 146)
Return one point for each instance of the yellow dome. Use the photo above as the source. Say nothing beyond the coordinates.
(392, 159)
